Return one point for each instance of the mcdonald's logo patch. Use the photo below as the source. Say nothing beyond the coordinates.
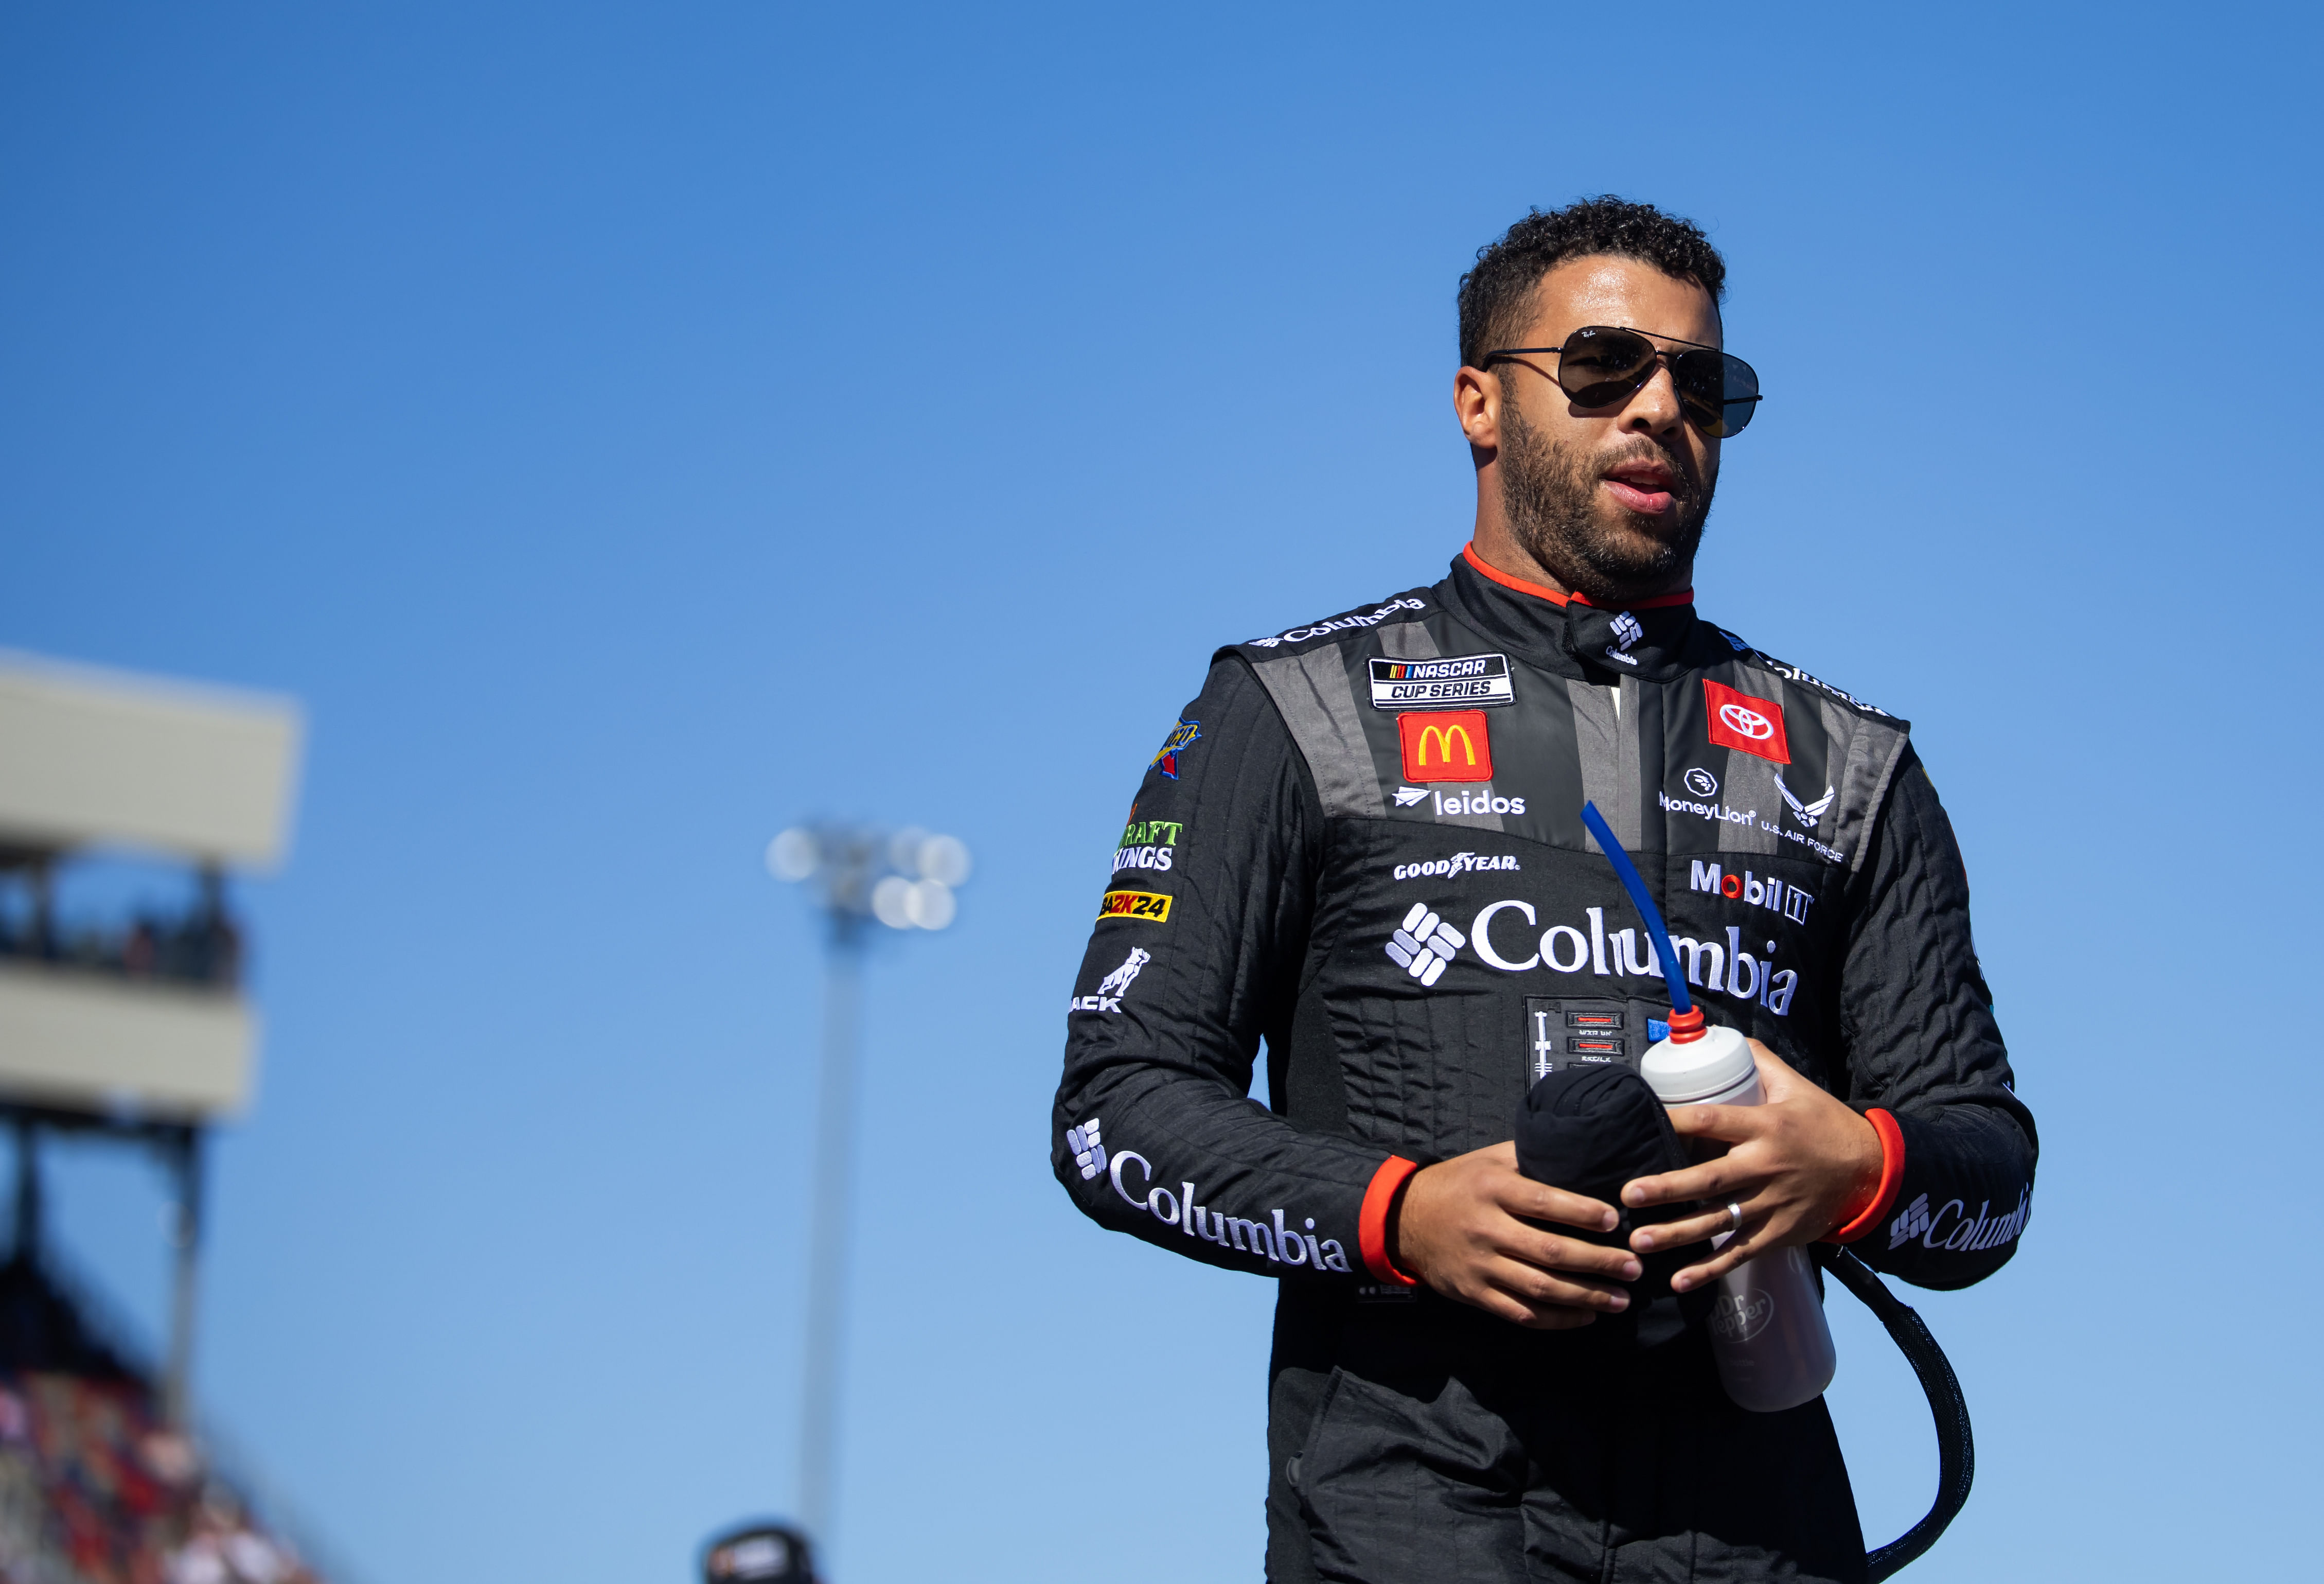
(1134, 904)
(1445, 744)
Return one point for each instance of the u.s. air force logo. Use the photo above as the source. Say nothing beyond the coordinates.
(1459, 682)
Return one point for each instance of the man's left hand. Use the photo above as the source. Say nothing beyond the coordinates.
(1792, 1162)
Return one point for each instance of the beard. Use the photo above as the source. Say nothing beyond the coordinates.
(1550, 494)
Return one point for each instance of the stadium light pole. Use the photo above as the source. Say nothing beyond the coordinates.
(903, 880)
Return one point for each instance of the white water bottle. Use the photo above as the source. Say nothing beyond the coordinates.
(1767, 1330)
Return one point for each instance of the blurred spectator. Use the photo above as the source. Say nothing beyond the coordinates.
(203, 946)
(761, 1553)
(93, 1489)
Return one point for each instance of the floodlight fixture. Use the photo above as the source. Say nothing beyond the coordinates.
(904, 880)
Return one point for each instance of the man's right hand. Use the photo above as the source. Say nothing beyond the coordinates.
(1458, 1228)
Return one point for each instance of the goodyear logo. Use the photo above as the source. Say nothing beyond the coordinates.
(1458, 681)
(1134, 904)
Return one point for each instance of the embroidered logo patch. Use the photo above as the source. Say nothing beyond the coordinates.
(1454, 682)
(1134, 904)
(1738, 720)
(1445, 744)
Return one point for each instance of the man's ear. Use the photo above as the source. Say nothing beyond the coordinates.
(1477, 405)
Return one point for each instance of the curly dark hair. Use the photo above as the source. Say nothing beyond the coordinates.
(1497, 296)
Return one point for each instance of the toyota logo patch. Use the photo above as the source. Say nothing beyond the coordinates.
(1739, 720)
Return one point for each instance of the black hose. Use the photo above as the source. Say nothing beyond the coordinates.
(1956, 1450)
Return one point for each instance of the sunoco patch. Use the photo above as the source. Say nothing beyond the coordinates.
(1458, 681)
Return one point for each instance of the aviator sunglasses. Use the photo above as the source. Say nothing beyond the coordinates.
(1601, 364)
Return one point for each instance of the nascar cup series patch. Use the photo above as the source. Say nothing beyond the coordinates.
(1460, 681)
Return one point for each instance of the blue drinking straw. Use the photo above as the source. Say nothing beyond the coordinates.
(1627, 873)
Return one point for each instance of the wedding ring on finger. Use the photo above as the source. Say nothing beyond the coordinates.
(1735, 1215)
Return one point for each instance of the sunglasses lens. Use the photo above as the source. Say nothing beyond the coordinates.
(1741, 397)
(1598, 367)
(1720, 393)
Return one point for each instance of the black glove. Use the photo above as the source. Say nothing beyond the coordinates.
(1590, 1129)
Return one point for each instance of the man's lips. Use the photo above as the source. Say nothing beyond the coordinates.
(1643, 487)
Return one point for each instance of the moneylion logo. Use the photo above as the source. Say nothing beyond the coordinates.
(1701, 783)
(1806, 814)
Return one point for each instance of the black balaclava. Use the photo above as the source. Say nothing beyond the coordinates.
(1589, 1130)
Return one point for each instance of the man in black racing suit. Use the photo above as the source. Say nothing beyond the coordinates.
(1362, 847)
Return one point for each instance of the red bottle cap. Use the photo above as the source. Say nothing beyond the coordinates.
(1686, 1027)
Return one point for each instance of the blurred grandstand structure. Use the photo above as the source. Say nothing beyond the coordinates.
(134, 1030)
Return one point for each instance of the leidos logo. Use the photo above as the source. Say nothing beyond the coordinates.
(1445, 744)
(1480, 801)
(1751, 891)
(1738, 720)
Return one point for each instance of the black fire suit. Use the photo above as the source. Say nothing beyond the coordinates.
(1362, 844)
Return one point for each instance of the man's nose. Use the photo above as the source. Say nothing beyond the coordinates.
(1653, 408)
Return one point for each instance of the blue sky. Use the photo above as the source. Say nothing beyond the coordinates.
(632, 429)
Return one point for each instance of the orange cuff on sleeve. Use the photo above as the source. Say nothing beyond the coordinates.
(1859, 1218)
(1371, 1225)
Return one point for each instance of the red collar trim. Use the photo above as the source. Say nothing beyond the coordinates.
(1543, 591)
